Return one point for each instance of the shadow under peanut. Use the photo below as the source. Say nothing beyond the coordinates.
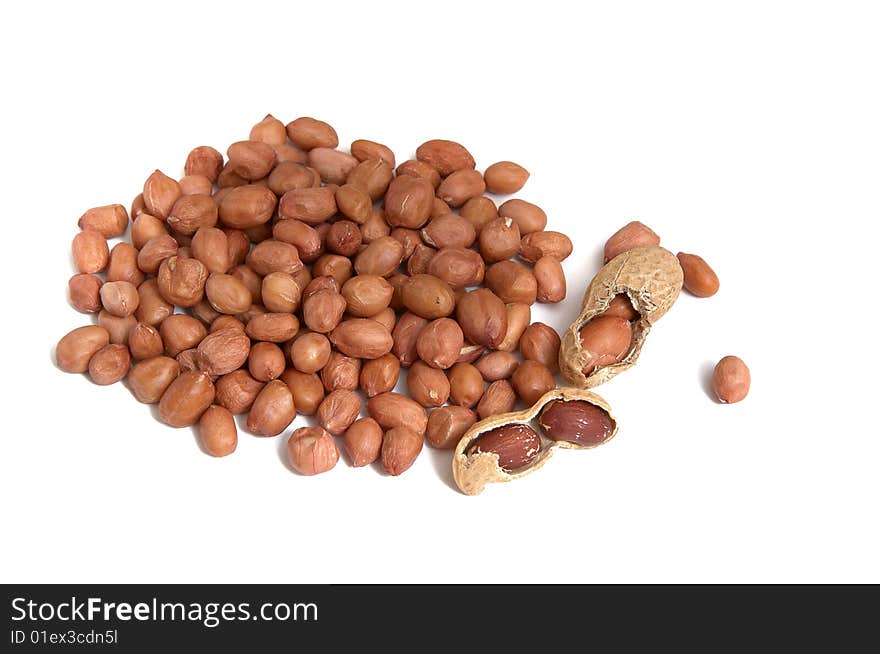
(707, 370)
(442, 462)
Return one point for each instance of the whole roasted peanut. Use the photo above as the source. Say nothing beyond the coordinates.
(227, 294)
(239, 246)
(544, 244)
(426, 385)
(731, 380)
(191, 212)
(195, 185)
(386, 317)
(272, 411)
(498, 398)
(400, 447)
(333, 165)
(372, 176)
(217, 430)
(310, 205)
(160, 194)
(333, 265)
(575, 421)
(181, 281)
(447, 424)
(155, 251)
(408, 202)
(394, 410)
(117, 326)
(381, 257)
(621, 307)
(153, 308)
(341, 371)
(344, 238)
(338, 410)
(551, 279)
(416, 168)
(150, 378)
(76, 348)
(265, 361)
(605, 340)
(379, 375)
(223, 351)
(289, 175)
(144, 341)
(519, 316)
(445, 156)
(247, 206)
(530, 217)
(375, 227)
(320, 283)
(307, 390)
(211, 246)
(499, 239)
(286, 153)
(458, 267)
(531, 380)
(224, 321)
(273, 256)
(460, 186)
(363, 442)
(408, 238)
(540, 343)
(85, 292)
(405, 335)
(366, 295)
(354, 203)
(512, 282)
(237, 390)
(186, 398)
(363, 149)
(699, 278)
(516, 445)
(419, 261)
(204, 160)
(428, 296)
(280, 292)
(482, 317)
(122, 266)
(505, 177)
(479, 211)
(362, 338)
(307, 133)
(110, 220)
(303, 236)
(110, 364)
(439, 343)
(145, 227)
(273, 327)
(311, 451)
(251, 159)
(465, 384)
(269, 130)
(497, 365)
(632, 235)
(323, 310)
(449, 231)
(310, 352)
(90, 251)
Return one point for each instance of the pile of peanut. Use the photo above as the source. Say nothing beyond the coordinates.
(294, 277)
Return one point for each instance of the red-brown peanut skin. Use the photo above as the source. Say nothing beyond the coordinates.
(400, 448)
(699, 278)
(731, 380)
(186, 399)
(218, 432)
(632, 235)
(311, 451)
(76, 348)
(363, 442)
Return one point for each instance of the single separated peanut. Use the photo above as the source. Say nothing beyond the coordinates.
(218, 432)
(505, 177)
(400, 448)
(731, 380)
(699, 278)
(363, 442)
(311, 451)
(186, 398)
(530, 217)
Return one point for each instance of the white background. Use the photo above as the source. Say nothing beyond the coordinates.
(747, 132)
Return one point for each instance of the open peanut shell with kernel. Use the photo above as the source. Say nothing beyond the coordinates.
(512, 445)
(651, 278)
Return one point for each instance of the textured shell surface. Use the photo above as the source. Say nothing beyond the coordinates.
(652, 278)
